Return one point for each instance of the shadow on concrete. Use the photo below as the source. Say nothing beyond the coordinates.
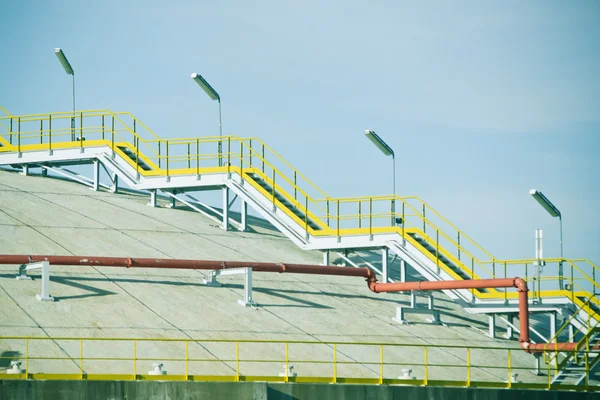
(286, 294)
(71, 282)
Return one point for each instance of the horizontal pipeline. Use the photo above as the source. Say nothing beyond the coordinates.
(129, 262)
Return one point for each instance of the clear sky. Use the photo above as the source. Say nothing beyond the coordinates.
(481, 101)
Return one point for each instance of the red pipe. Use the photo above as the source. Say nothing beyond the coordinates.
(128, 262)
(518, 283)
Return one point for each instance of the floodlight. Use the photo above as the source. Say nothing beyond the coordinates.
(377, 141)
(212, 93)
(544, 202)
(63, 60)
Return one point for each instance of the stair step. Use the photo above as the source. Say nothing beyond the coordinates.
(132, 156)
(284, 201)
(456, 269)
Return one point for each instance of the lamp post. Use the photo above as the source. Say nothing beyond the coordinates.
(554, 212)
(212, 93)
(69, 70)
(386, 150)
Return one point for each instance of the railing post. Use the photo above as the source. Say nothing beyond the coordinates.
(593, 278)
(197, 156)
(424, 220)
(403, 221)
(380, 364)
(10, 129)
(359, 216)
(41, 130)
(287, 362)
(458, 243)
(19, 135)
(437, 248)
(241, 158)
(587, 369)
(572, 282)
(273, 189)
(494, 269)
(137, 156)
(81, 358)
(370, 216)
(251, 150)
(103, 127)
(335, 363)
(426, 371)
(189, 156)
(228, 154)
(263, 157)
(338, 218)
(306, 215)
(167, 156)
(549, 376)
(509, 370)
(187, 360)
(159, 157)
(81, 130)
(505, 289)
(112, 134)
(468, 366)
(237, 361)
(134, 360)
(50, 132)
(27, 358)
(295, 184)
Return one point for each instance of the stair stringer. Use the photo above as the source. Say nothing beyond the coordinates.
(428, 269)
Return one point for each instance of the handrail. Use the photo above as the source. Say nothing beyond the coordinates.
(253, 148)
(380, 367)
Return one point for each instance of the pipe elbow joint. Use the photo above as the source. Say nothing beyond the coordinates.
(371, 281)
(372, 285)
(525, 346)
(521, 285)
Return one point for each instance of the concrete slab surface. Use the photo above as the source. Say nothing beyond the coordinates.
(43, 215)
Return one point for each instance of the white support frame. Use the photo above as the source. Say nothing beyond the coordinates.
(225, 222)
(416, 309)
(247, 301)
(509, 326)
(172, 199)
(326, 257)
(96, 179)
(45, 267)
(384, 264)
(402, 270)
(492, 325)
(243, 216)
(152, 203)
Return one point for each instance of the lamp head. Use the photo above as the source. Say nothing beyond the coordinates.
(212, 93)
(63, 60)
(544, 202)
(377, 141)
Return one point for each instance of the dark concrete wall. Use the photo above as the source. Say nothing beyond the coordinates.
(149, 390)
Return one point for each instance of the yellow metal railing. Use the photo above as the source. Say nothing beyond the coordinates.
(321, 215)
(265, 360)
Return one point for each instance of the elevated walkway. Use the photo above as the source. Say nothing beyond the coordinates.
(251, 171)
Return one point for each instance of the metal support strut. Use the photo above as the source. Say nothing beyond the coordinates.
(45, 267)
(247, 301)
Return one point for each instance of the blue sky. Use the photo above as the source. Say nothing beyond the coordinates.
(481, 101)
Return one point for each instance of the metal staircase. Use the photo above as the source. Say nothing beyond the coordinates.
(252, 172)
